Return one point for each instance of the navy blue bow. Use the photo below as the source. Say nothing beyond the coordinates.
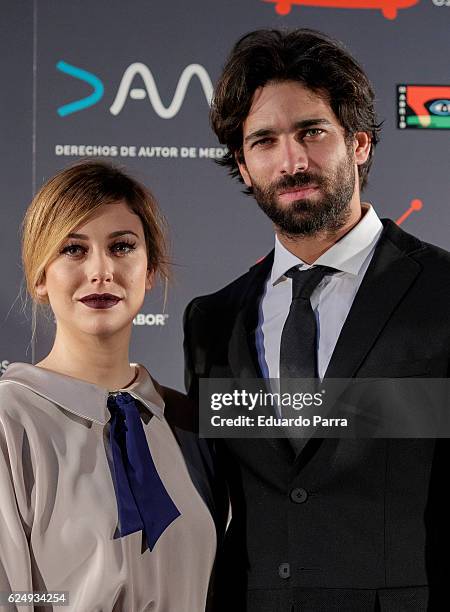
(142, 500)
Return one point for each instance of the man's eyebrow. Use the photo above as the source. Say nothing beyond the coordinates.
(112, 235)
(306, 123)
(259, 134)
(298, 125)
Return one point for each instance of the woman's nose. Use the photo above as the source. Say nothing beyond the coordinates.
(100, 268)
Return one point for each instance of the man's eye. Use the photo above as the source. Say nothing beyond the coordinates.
(263, 142)
(73, 250)
(313, 132)
(123, 247)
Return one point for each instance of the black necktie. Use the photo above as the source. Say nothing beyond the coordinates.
(298, 350)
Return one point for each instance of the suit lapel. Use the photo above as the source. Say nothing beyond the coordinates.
(389, 276)
(242, 353)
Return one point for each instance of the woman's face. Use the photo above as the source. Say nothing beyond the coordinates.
(97, 283)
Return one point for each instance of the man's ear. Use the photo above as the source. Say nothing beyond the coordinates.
(362, 145)
(239, 157)
(149, 279)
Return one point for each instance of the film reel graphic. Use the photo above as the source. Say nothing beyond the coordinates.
(423, 107)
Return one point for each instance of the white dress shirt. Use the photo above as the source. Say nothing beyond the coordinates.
(331, 300)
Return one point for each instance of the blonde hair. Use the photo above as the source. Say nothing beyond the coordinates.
(71, 198)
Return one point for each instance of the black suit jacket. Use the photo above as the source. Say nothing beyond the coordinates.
(347, 524)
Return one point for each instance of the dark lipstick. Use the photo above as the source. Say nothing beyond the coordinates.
(100, 300)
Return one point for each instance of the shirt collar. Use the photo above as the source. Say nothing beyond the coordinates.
(80, 397)
(346, 255)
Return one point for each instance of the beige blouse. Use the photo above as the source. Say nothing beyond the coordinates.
(58, 510)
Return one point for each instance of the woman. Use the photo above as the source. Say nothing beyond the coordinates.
(96, 496)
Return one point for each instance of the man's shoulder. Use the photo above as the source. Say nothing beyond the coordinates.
(424, 253)
(228, 298)
(221, 298)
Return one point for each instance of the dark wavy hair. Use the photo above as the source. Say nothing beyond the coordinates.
(307, 56)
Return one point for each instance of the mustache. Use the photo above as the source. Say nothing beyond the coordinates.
(290, 181)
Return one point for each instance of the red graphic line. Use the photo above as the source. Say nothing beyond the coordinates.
(389, 8)
(414, 206)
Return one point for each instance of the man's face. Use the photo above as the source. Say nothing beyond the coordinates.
(301, 168)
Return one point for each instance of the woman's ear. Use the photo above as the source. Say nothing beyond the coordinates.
(149, 280)
(41, 292)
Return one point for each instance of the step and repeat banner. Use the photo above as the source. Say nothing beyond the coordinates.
(131, 82)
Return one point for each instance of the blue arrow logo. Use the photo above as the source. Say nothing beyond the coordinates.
(87, 77)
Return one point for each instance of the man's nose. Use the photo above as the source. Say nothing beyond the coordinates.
(293, 157)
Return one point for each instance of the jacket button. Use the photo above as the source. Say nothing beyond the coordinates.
(298, 495)
(284, 570)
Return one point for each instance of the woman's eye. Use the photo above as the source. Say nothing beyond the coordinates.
(123, 247)
(73, 250)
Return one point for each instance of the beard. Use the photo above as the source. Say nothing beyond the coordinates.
(307, 217)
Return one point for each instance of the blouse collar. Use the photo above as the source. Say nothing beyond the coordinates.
(80, 397)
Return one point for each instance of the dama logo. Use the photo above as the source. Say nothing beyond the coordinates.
(126, 89)
(389, 8)
(423, 107)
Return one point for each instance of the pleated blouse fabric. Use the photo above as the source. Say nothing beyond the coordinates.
(58, 509)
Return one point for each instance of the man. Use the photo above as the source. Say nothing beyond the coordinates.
(335, 524)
